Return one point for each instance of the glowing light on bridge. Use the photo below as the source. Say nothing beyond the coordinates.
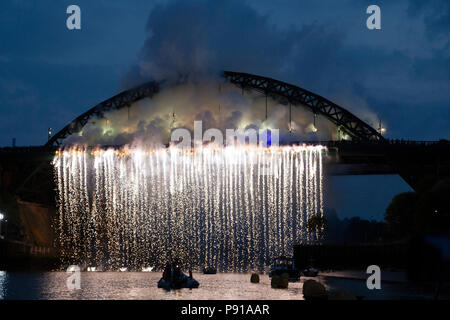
(235, 208)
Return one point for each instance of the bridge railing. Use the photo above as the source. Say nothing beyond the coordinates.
(328, 143)
(391, 142)
(26, 149)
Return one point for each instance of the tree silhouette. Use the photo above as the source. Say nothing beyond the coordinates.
(317, 225)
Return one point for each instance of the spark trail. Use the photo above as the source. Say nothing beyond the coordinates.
(235, 208)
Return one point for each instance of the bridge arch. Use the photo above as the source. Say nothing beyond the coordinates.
(281, 91)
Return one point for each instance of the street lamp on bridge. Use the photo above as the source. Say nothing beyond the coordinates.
(381, 130)
(2, 218)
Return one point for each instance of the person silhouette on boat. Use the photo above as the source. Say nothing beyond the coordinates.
(167, 274)
(174, 278)
(177, 274)
(172, 272)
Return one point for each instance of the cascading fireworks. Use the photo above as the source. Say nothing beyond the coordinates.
(235, 208)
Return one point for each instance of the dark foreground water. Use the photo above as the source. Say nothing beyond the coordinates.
(142, 285)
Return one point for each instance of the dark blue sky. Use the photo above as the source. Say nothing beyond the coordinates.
(400, 74)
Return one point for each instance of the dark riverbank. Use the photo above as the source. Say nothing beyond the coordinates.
(22, 256)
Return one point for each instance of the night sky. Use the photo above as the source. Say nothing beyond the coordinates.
(399, 74)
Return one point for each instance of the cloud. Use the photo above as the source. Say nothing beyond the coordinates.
(321, 46)
(206, 37)
(198, 39)
(435, 13)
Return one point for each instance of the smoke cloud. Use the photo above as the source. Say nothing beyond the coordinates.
(187, 47)
(149, 122)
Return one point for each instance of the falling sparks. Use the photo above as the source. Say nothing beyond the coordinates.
(234, 208)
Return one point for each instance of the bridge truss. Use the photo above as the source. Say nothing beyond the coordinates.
(121, 100)
(345, 121)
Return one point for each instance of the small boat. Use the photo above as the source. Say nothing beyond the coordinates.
(209, 270)
(183, 282)
(285, 265)
(174, 278)
(310, 272)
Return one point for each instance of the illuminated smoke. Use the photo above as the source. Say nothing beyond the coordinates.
(235, 208)
(217, 104)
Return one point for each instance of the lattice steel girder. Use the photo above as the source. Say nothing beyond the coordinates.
(119, 101)
(351, 125)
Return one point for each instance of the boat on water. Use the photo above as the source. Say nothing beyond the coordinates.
(183, 282)
(174, 278)
(285, 265)
(209, 270)
(311, 271)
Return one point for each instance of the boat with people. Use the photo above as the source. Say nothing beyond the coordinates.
(285, 265)
(209, 270)
(310, 271)
(174, 278)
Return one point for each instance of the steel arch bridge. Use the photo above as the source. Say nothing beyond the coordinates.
(367, 153)
(283, 92)
(119, 101)
(288, 93)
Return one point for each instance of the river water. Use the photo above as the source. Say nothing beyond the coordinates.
(142, 285)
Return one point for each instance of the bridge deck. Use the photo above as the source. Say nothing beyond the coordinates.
(27, 171)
